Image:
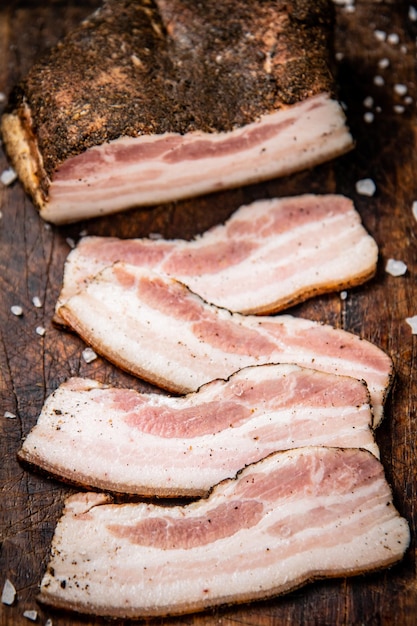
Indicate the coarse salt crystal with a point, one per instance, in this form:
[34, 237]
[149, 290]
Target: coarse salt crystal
[2, 97]
[379, 81]
[9, 415]
[381, 35]
[369, 117]
[383, 63]
[31, 614]
[368, 102]
[412, 13]
[154, 236]
[414, 209]
[16, 310]
[40, 330]
[89, 355]
[398, 108]
[412, 321]
[36, 301]
[343, 295]
[8, 176]
[48, 622]
[70, 242]
[339, 56]
[400, 89]
[366, 187]
[395, 268]
[393, 38]
[8, 594]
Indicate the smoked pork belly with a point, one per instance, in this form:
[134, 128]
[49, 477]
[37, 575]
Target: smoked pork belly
[155, 445]
[159, 330]
[291, 518]
[268, 255]
[150, 101]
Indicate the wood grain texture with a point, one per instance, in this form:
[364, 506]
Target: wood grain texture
[32, 255]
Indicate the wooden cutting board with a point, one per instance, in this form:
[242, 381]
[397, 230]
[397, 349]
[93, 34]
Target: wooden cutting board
[32, 255]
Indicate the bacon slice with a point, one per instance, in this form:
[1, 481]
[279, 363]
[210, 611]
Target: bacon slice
[267, 256]
[291, 518]
[151, 101]
[157, 329]
[167, 446]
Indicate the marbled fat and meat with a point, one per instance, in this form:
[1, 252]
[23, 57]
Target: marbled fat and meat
[181, 446]
[284, 521]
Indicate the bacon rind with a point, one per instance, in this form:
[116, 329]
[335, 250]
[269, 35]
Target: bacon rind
[267, 256]
[154, 445]
[157, 329]
[289, 519]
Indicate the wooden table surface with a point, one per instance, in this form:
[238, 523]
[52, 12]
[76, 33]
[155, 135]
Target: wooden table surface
[32, 255]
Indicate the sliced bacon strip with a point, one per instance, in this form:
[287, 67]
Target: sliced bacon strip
[267, 256]
[157, 329]
[291, 518]
[155, 445]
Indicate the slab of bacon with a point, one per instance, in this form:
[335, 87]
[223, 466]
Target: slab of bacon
[159, 330]
[291, 518]
[267, 256]
[149, 101]
[154, 445]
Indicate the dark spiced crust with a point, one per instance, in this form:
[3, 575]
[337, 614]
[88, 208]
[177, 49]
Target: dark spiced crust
[155, 66]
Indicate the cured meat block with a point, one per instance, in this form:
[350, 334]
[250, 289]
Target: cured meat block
[157, 329]
[149, 101]
[291, 518]
[155, 445]
[267, 256]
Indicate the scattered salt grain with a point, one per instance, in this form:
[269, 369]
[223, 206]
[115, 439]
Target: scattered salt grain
[8, 594]
[368, 102]
[40, 330]
[89, 355]
[9, 415]
[16, 310]
[3, 95]
[343, 295]
[412, 13]
[31, 614]
[369, 117]
[381, 35]
[412, 321]
[36, 301]
[339, 56]
[393, 38]
[395, 268]
[365, 187]
[8, 176]
[383, 63]
[398, 108]
[48, 622]
[379, 81]
[408, 100]
[70, 242]
[414, 209]
[83, 233]
[154, 236]
[400, 89]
